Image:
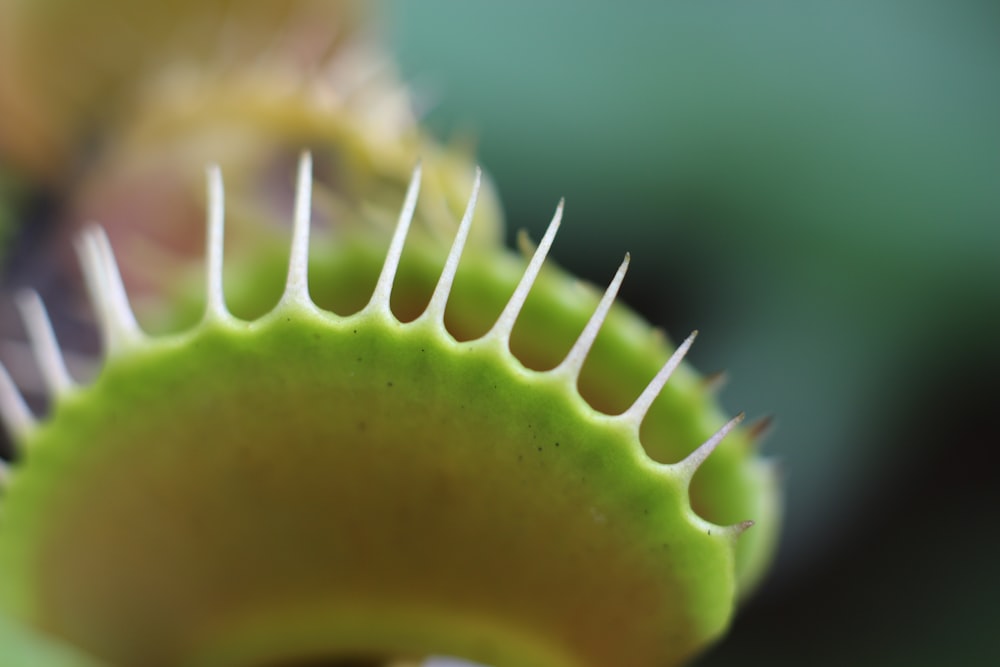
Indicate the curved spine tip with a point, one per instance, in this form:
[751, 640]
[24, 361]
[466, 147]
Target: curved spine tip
[714, 383]
[641, 406]
[505, 322]
[731, 532]
[215, 301]
[14, 412]
[573, 363]
[383, 288]
[439, 300]
[760, 429]
[44, 345]
[297, 285]
[734, 531]
[107, 291]
[689, 466]
[525, 245]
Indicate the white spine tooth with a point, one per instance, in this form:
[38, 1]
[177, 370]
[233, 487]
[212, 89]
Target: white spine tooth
[689, 466]
[737, 529]
[44, 344]
[714, 383]
[118, 323]
[638, 410]
[525, 245]
[297, 285]
[383, 288]
[505, 323]
[760, 429]
[574, 360]
[215, 304]
[439, 300]
[14, 412]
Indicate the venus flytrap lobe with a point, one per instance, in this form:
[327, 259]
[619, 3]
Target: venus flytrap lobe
[311, 485]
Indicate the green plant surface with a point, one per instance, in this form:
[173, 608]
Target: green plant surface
[312, 484]
[22, 646]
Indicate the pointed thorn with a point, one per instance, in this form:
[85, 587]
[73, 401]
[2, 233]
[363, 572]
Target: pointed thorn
[383, 288]
[637, 412]
[215, 303]
[760, 429]
[525, 245]
[576, 357]
[44, 345]
[14, 412]
[439, 300]
[107, 292]
[505, 323]
[714, 383]
[297, 285]
[694, 460]
[734, 531]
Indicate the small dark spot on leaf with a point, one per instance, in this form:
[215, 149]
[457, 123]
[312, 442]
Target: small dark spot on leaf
[388, 384]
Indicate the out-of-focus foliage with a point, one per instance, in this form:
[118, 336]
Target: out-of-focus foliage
[159, 90]
[53, 111]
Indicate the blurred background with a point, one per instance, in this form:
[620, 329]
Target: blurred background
[816, 187]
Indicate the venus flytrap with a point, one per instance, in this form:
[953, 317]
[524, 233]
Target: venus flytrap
[485, 477]
[373, 446]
